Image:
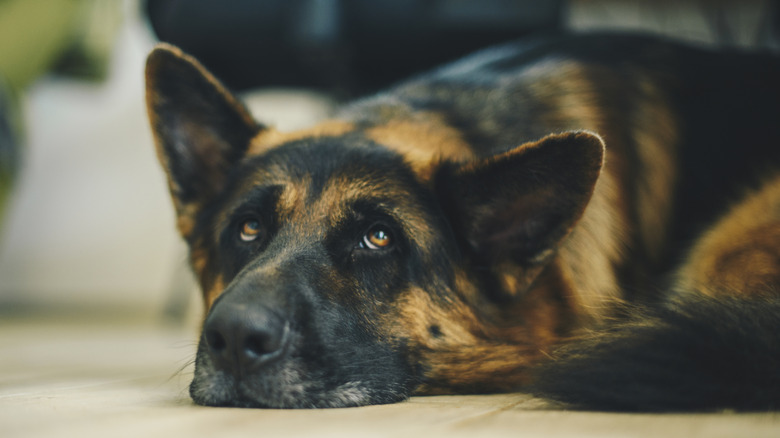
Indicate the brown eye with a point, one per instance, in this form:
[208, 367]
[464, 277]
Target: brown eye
[377, 238]
[250, 230]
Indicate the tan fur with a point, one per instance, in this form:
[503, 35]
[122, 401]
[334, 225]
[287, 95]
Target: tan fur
[211, 288]
[214, 292]
[343, 190]
[292, 199]
[423, 139]
[741, 253]
[270, 138]
[588, 256]
[463, 353]
[656, 134]
[565, 86]
[491, 347]
[596, 245]
[185, 220]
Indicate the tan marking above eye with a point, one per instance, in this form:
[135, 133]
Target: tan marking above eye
[250, 230]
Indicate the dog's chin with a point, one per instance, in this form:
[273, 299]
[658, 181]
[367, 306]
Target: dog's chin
[286, 391]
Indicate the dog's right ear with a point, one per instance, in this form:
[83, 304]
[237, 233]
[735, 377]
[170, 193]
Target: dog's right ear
[514, 208]
[201, 130]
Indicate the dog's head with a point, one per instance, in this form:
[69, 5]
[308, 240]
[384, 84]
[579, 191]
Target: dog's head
[340, 271]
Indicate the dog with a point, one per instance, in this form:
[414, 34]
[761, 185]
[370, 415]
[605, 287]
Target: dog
[593, 219]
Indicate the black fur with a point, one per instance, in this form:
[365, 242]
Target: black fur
[695, 354]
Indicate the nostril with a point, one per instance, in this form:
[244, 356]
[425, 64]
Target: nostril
[215, 341]
[260, 344]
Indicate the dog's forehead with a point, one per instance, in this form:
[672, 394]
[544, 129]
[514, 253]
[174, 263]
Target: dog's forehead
[329, 175]
[322, 161]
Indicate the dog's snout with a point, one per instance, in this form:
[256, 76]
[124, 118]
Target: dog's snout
[240, 337]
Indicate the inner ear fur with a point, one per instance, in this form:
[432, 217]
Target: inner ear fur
[514, 208]
[200, 129]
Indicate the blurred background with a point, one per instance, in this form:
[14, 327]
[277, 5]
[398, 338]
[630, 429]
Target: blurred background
[86, 225]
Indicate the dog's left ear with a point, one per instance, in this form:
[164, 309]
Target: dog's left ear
[201, 130]
[513, 209]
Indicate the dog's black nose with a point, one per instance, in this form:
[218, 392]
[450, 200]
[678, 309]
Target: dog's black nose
[241, 337]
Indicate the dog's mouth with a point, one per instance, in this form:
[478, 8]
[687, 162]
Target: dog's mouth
[286, 389]
[297, 376]
[227, 391]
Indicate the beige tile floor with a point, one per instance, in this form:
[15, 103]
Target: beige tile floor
[117, 376]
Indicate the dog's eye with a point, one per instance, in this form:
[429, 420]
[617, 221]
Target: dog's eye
[250, 230]
[377, 237]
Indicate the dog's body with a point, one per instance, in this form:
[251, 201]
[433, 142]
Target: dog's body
[448, 235]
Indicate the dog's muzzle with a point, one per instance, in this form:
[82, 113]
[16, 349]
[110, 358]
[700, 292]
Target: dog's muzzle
[273, 342]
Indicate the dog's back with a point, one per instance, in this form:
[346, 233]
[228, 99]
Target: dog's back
[687, 130]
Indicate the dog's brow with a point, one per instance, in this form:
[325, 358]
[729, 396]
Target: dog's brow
[259, 199]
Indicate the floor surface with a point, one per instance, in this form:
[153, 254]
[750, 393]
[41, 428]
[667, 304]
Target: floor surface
[121, 377]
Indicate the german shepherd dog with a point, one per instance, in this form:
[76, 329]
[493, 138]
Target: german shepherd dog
[594, 219]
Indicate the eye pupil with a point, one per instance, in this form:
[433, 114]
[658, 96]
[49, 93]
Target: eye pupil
[377, 238]
[250, 230]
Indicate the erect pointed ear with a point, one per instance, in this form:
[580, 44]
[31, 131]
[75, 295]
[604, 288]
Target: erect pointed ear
[200, 129]
[513, 209]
